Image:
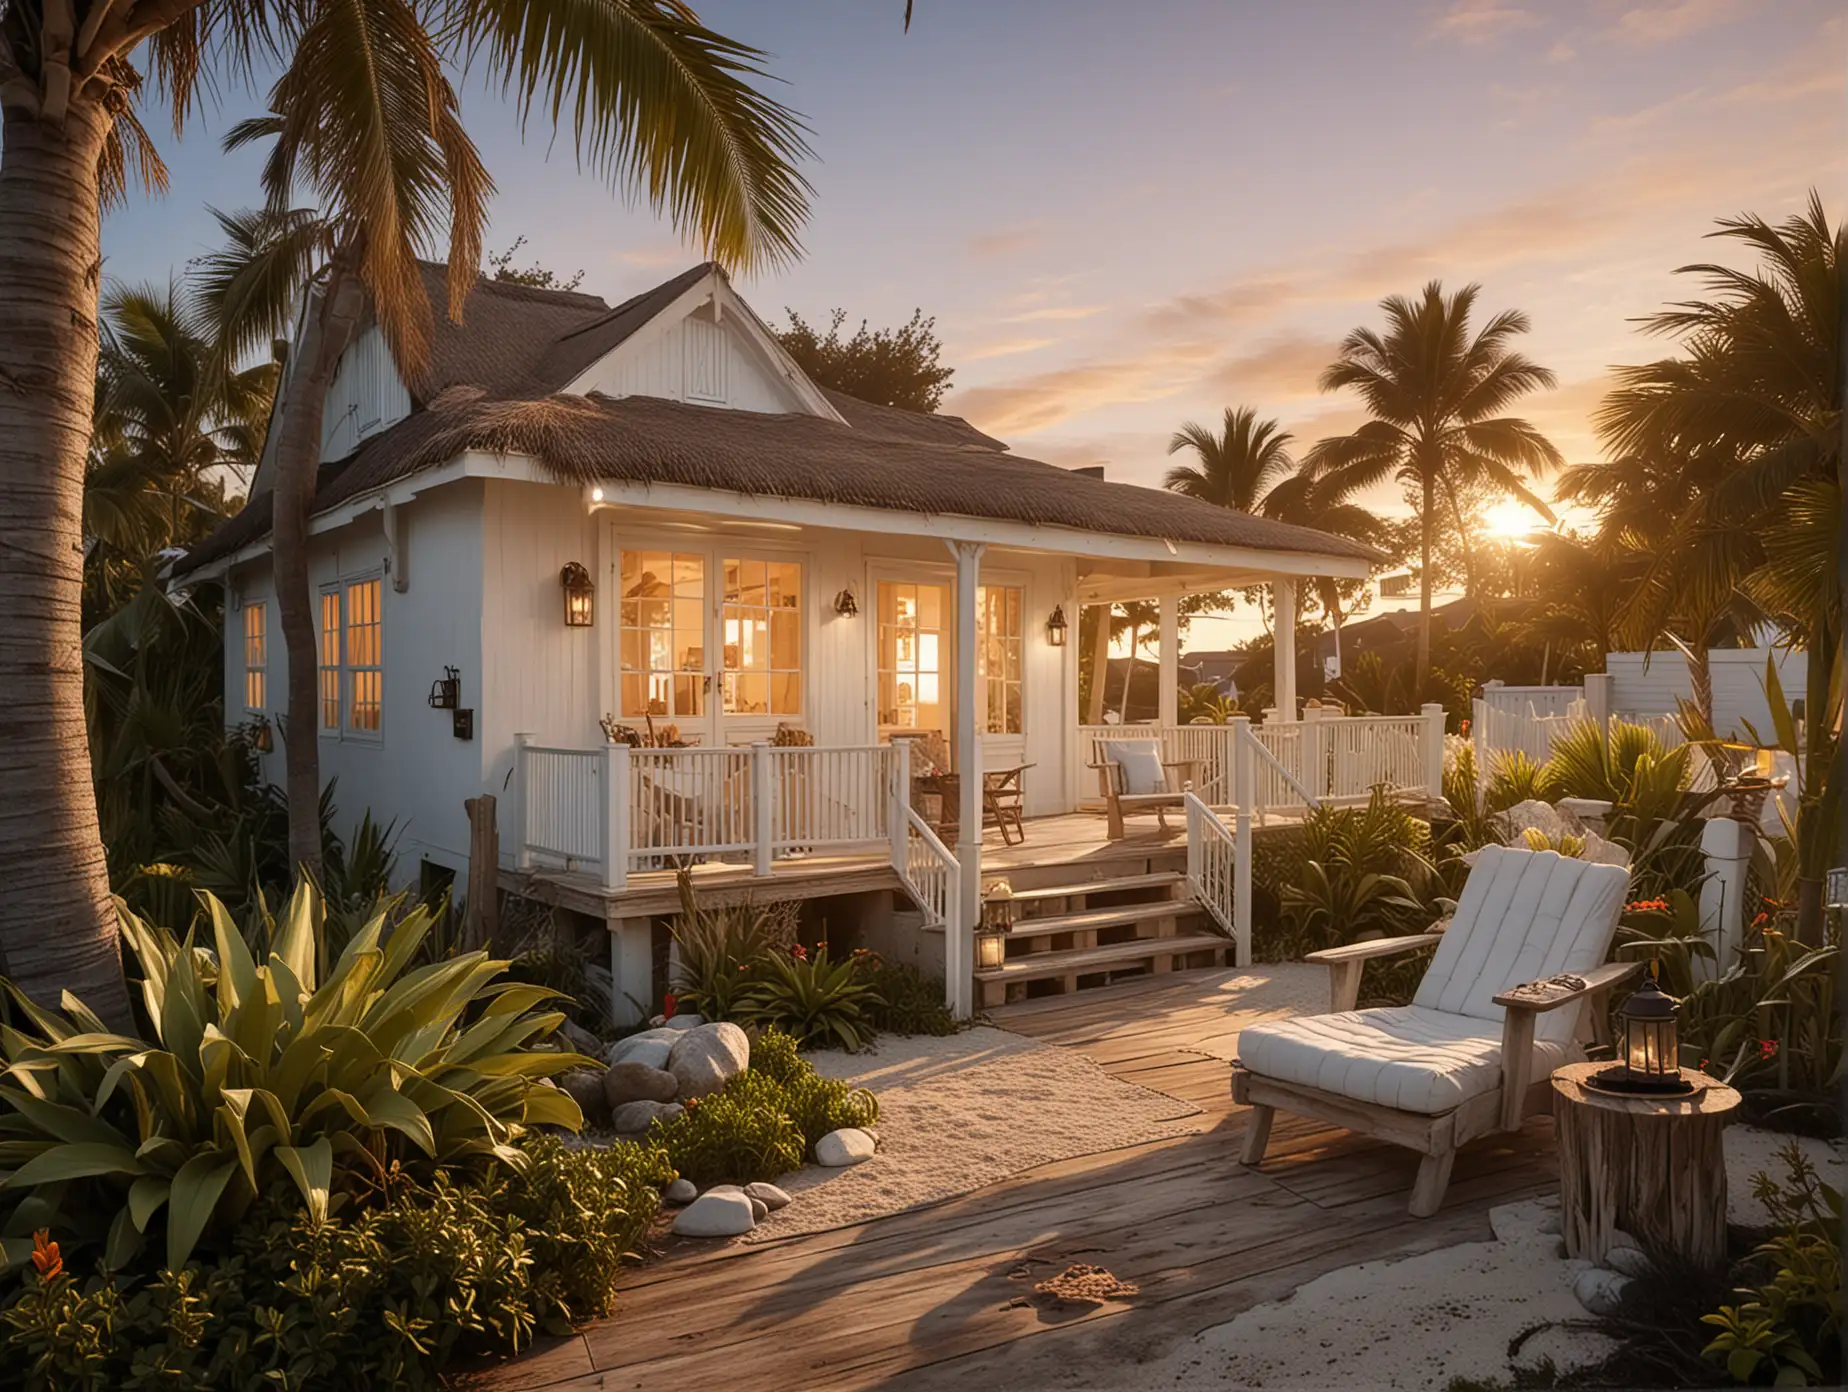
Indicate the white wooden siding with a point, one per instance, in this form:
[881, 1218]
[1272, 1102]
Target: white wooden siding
[1650, 683]
[367, 396]
[694, 359]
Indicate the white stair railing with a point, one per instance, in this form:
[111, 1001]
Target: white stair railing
[1212, 869]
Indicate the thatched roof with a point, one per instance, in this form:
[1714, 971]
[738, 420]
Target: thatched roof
[495, 388]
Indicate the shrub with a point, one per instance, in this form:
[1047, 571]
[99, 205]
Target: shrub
[383, 1298]
[908, 1002]
[1787, 1329]
[324, 1076]
[720, 948]
[1514, 777]
[816, 1104]
[738, 1135]
[1365, 873]
[815, 1000]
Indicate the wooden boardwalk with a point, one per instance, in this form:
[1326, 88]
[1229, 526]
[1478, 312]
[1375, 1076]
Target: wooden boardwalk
[942, 1297]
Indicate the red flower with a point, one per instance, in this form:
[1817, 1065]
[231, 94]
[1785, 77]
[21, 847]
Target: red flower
[668, 1006]
[798, 951]
[1767, 1049]
[45, 1255]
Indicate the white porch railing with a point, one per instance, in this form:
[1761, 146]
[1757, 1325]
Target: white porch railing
[930, 872]
[1214, 851]
[1209, 746]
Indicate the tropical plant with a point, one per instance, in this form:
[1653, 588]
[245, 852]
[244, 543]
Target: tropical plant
[308, 1069]
[738, 1135]
[719, 949]
[816, 1104]
[1515, 776]
[909, 1002]
[1365, 873]
[1236, 467]
[815, 1000]
[655, 102]
[1757, 393]
[1788, 1324]
[1435, 392]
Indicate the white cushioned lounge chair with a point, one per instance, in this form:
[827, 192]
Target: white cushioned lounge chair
[1474, 1050]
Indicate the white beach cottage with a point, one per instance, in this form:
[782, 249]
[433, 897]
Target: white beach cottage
[648, 513]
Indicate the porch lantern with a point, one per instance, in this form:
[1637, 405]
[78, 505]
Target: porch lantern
[845, 604]
[1055, 627]
[580, 595]
[1649, 1058]
[998, 913]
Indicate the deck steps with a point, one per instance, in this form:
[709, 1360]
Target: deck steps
[1064, 940]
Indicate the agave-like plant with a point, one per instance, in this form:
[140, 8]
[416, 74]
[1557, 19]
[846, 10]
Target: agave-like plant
[292, 1070]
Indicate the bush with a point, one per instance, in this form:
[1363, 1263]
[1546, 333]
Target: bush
[1365, 873]
[908, 1002]
[816, 1104]
[720, 948]
[812, 999]
[324, 1076]
[383, 1298]
[1788, 1327]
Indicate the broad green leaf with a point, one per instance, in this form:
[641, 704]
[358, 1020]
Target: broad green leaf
[296, 932]
[145, 1196]
[124, 1243]
[391, 1108]
[312, 1167]
[191, 1202]
[1781, 719]
[237, 970]
[553, 1107]
[65, 1123]
[77, 1161]
[101, 1043]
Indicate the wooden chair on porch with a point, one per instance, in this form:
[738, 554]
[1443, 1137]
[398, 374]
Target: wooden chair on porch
[1001, 803]
[1518, 980]
[1135, 778]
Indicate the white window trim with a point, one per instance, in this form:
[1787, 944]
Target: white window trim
[262, 607]
[751, 551]
[343, 731]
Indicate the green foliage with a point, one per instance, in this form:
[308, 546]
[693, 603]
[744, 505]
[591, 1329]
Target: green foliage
[1473, 826]
[383, 1297]
[1787, 1327]
[1365, 873]
[889, 367]
[815, 1000]
[302, 1070]
[719, 948]
[737, 1135]
[1515, 778]
[908, 1002]
[816, 1104]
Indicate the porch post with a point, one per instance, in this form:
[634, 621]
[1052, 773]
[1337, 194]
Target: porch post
[615, 816]
[522, 858]
[1244, 794]
[959, 941]
[1283, 674]
[1167, 711]
[1433, 743]
[898, 806]
[631, 970]
[763, 807]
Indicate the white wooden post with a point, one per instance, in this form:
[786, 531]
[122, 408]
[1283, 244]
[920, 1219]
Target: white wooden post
[1244, 793]
[1728, 847]
[1433, 748]
[959, 941]
[615, 774]
[899, 804]
[631, 971]
[522, 857]
[1283, 621]
[1168, 698]
[1316, 738]
[1598, 699]
[763, 807]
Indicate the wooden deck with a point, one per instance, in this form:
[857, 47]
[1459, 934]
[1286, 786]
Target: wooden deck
[942, 1297]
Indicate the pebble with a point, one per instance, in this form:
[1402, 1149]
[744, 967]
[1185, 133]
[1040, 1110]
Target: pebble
[847, 1146]
[1600, 1291]
[716, 1215]
[680, 1192]
[768, 1194]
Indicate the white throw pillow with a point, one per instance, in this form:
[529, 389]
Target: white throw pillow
[1140, 761]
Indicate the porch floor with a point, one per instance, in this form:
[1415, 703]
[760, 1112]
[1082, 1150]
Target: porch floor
[929, 1299]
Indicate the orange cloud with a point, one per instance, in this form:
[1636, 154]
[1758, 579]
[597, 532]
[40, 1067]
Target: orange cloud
[1664, 23]
[1482, 21]
[1007, 241]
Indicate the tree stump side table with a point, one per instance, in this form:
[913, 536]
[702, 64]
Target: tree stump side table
[1651, 1166]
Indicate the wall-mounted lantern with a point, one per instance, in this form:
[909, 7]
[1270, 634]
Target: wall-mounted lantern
[580, 595]
[845, 604]
[1055, 626]
[262, 737]
[446, 690]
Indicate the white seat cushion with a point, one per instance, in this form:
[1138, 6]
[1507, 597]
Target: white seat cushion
[1523, 915]
[1403, 1056]
[1140, 761]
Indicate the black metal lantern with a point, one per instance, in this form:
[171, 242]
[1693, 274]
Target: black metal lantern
[1649, 1047]
[1055, 627]
[580, 595]
[261, 739]
[446, 690]
[845, 604]
[998, 914]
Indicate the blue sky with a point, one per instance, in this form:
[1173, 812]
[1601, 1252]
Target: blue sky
[1125, 217]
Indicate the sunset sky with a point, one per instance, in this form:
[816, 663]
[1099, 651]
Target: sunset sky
[1125, 217]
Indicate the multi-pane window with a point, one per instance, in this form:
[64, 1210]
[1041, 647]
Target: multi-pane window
[352, 658]
[913, 694]
[663, 627]
[330, 660]
[365, 664]
[762, 620]
[997, 621]
[256, 656]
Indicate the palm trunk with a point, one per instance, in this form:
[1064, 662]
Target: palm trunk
[327, 329]
[1100, 664]
[57, 925]
[1700, 678]
[1816, 836]
[1427, 519]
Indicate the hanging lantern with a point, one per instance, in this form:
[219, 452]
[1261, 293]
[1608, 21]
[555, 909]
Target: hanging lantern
[1055, 627]
[998, 912]
[1649, 1047]
[580, 595]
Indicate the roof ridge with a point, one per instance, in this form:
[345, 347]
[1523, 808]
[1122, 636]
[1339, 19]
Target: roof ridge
[514, 290]
[689, 275]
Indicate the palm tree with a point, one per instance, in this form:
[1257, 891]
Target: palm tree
[1237, 466]
[657, 102]
[1435, 392]
[1759, 384]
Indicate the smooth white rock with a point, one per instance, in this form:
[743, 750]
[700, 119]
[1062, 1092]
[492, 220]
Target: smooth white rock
[771, 1196]
[649, 1047]
[724, 1189]
[686, 1021]
[635, 1081]
[681, 1191]
[847, 1146]
[707, 1057]
[716, 1215]
[1630, 1261]
[759, 1209]
[633, 1118]
[1600, 1291]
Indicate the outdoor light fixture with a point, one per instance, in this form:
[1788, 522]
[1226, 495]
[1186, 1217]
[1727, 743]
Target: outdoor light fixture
[261, 739]
[446, 690]
[1055, 626]
[845, 604]
[580, 595]
[1649, 1057]
[998, 913]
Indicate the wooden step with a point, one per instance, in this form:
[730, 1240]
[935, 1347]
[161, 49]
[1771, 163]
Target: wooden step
[1115, 916]
[1158, 953]
[1161, 879]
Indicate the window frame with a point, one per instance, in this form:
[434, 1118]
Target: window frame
[986, 680]
[257, 643]
[673, 599]
[722, 555]
[342, 668]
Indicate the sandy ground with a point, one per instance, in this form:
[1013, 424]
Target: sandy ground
[1420, 1322]
[962, 1112]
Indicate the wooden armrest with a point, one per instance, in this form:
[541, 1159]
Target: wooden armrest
[1596, 980]
[1374, 947]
